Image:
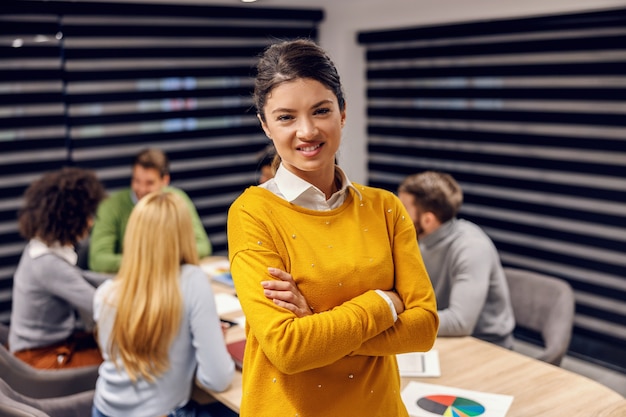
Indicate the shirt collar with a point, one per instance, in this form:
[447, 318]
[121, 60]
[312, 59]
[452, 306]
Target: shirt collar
[297, 191]
[289, 184]
[37, 248]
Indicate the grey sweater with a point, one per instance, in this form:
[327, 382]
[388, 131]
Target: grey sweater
[470, 285]
[48, 289]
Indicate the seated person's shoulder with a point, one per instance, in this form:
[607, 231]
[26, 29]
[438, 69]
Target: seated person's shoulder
[181, 193]
[470, 237]
[175, 190]
[193, 278]
[471, 231]
[120, 198]
[192, 270]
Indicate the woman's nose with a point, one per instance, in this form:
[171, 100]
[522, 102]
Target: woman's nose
[306, 129]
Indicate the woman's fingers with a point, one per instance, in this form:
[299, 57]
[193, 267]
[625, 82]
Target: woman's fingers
[284, 292]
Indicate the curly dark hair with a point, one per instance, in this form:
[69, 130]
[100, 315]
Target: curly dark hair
[57, 207]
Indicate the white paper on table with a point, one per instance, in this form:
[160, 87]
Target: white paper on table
[226, 303]
[217, 266]
[430, 400]
[424, 364]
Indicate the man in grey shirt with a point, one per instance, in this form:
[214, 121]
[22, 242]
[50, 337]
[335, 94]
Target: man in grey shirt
[461, 260]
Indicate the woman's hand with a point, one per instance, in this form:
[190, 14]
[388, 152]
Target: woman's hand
[395, 299]
[285, 293]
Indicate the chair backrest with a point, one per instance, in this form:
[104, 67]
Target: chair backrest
[546, 305]
[82, 252]
[4, 334]
[38, 383]
[14, 404]
[11, 404]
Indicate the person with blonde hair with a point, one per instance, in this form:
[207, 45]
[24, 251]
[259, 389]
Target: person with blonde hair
[157, 323]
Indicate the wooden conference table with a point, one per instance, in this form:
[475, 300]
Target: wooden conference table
[538, 389]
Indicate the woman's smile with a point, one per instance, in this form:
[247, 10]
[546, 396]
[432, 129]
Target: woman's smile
[303, 119]
[310, 150]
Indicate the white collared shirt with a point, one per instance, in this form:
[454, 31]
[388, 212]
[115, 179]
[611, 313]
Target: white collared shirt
[37, 248]
[295, 190]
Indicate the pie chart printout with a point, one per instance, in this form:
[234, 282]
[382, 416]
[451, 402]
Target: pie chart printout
[450, 406]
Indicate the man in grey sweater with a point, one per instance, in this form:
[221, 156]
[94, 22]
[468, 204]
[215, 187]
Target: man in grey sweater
[461, 260]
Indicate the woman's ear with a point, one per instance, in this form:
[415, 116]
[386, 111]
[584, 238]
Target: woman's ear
[264, 126]
[343, 116]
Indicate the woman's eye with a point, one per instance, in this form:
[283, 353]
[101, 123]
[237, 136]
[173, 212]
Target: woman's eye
[322, 110]
[284, 117]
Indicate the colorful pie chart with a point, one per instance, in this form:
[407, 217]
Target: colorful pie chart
[450, 406]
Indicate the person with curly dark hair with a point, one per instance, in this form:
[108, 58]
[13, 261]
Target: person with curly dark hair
[48, 288]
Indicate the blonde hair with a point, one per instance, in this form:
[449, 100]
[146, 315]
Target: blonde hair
[159, 239]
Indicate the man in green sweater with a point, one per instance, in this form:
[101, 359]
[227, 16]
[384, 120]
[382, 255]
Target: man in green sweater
[150, 173]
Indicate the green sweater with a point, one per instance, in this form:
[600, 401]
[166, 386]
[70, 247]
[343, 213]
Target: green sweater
[339, 361]
[107, 236]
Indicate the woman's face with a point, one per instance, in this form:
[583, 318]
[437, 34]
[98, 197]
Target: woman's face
[304, 122]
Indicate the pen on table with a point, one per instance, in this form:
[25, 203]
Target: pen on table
[228, 322]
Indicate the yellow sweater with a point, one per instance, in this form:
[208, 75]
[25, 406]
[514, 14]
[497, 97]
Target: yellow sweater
[340, 361]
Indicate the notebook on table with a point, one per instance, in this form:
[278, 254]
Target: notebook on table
[218, 270]
[236, 350]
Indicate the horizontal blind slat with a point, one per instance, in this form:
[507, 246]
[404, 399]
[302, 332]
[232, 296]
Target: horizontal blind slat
[528, 115]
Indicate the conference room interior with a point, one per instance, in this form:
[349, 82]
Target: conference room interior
[523, 102]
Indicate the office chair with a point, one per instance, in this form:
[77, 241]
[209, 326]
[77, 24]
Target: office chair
[39, 383]
[13, 404]
[4, 334]
[82, 251]
[546, 305]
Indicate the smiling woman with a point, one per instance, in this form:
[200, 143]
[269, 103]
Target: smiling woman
[321, 264]
[304, 122]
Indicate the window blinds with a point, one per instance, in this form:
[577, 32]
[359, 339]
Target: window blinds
[529, 115]
[91, 84]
